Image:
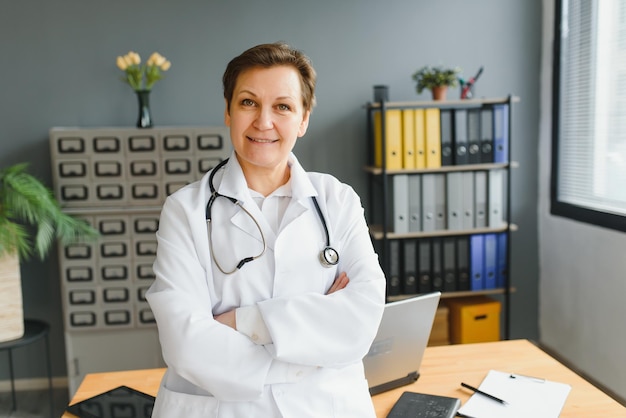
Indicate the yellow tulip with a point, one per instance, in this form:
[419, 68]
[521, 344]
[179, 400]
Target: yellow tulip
[166, 65]
[128, 60]
[121, 63]
[134, 57]
[156, 59]
[140, 76]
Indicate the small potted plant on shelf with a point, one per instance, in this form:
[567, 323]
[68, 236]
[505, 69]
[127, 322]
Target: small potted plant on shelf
[30, 221]
[436, 79]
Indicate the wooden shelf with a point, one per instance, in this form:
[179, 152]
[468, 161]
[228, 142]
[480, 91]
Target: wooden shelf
[444, 169]
[459, 294]
[468, 103]
[376, 231]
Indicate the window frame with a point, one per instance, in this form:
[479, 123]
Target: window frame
[558, 207]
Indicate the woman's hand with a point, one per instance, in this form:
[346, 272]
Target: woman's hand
[227, 318]
[340, 282]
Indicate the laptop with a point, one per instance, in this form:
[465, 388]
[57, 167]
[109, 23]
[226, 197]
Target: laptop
[396, 354]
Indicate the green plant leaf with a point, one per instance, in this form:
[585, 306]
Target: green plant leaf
[25, 201]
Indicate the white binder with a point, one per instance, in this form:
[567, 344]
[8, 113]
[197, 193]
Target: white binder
[496, 203]
[467, 188]
[480, 199]
[455, 201]
[415, 203]
[400, 203]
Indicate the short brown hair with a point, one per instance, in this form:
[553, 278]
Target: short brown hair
[270, 55]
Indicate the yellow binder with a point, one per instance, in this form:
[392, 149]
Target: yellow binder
[420, 139]
[408, 139]
[433, 137]
[393, 136]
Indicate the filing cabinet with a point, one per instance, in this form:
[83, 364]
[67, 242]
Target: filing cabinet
[117, 179]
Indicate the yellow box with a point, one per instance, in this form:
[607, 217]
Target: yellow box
[474, 319]
[440, 333]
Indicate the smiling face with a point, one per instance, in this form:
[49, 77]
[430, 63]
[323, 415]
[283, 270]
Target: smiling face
[266, 117]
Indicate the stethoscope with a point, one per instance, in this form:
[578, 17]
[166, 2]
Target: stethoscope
[328, 256]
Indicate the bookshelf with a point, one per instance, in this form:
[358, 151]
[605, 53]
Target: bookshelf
[439, 176]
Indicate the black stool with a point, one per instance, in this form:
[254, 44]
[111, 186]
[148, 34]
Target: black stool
[33, 331]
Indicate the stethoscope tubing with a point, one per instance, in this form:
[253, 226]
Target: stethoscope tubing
[328, 256]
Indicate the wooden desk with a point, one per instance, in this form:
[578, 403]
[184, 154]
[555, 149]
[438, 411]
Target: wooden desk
[443, 369]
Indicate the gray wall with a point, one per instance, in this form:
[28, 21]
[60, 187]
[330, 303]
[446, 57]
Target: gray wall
[59, 70]
[582, 270]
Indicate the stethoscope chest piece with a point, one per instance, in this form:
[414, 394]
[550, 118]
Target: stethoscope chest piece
[329, 257]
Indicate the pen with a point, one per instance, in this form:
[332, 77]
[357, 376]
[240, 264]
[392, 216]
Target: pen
[536, 379]
[465, 385]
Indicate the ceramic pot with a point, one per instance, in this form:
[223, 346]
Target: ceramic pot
[11, 305]
[439, 92]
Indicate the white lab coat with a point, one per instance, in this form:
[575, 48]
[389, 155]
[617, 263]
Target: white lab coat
[313, 366]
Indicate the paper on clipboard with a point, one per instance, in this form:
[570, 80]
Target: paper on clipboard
[525, 397]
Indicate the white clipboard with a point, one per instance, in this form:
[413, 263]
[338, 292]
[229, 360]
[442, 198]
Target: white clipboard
[525, 396]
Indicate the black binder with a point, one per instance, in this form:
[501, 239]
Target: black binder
[462, 263]
[473, 136]
[449, 264]
[447, 148]
[461, 141]
[486, 134]
[425, 281]
[437, 265]
[394, 283]
[409, 273]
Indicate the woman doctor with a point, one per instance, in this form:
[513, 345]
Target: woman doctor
[268, 292]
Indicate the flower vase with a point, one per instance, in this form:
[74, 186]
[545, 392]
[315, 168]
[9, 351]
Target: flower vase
[145, 118]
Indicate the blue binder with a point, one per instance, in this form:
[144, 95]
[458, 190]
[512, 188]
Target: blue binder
[501, 133]
[502, 261]
[491, 256]
[477, 262]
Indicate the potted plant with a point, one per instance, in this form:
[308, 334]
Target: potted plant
[437, 79]
[30, 221]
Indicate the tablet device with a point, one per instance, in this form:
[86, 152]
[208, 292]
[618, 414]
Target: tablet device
[121, 402]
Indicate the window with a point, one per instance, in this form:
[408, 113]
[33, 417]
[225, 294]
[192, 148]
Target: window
[589, 112]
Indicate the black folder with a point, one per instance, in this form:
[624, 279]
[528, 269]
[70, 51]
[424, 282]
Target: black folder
[473, 136]
[394, 283]
[425, 281]
[437, 265]
[409, 273]
[461, 141]
[486, 135]
[463, 263]
[447, 149]
[449, 264]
